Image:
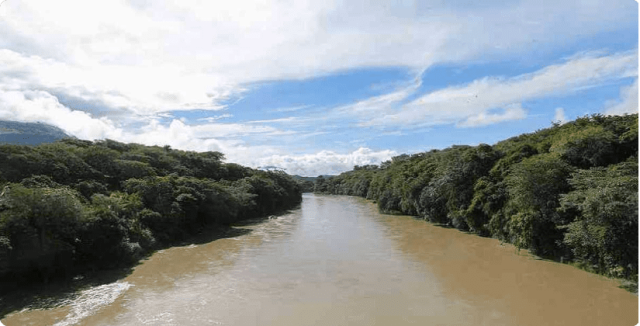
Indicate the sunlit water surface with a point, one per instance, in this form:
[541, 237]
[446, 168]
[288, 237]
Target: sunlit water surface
[337, 261]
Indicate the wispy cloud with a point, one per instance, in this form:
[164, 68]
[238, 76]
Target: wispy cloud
[381, 104]
[216, 118]
[313, 134]
[280, 120]
[469, 105]
[292, 108]
[511, 112]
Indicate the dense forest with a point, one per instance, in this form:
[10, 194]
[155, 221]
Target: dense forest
[307, 184]
[76, 205]
[569, 192]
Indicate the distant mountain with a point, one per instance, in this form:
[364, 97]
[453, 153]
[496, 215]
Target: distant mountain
[29, 133]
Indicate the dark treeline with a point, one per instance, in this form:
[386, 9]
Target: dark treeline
[77, 205]
[306, 183]
[568, 191]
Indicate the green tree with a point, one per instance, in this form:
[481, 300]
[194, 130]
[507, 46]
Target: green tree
[41, 226]
[605, 232]
[534, 188]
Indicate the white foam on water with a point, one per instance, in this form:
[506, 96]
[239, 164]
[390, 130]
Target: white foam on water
[165, 318]
[88, 302]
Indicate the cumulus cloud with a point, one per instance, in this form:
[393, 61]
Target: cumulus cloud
[141, 90]
[42, 106]
[326, 162]
[470, 103]
[628, 102]
[225, 137]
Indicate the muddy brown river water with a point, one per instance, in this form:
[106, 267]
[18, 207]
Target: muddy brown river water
[337, 261]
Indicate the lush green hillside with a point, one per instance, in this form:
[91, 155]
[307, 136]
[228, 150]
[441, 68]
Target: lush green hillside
[74, 204]
[570, 191]
[28, 133]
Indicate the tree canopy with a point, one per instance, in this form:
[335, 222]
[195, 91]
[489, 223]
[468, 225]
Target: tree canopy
[568, 191]
[76, 204]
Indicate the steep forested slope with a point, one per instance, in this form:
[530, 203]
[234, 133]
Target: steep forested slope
[568, 191]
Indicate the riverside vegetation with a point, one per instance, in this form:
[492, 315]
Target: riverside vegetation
[76, 205]
[569, 192]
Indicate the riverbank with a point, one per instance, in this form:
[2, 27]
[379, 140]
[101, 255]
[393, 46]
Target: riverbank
[336, 260]
[566, 193]
[630, 285]
[37, 296]
[74, 206]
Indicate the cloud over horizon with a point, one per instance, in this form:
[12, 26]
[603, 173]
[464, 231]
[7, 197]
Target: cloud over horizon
[326, 162]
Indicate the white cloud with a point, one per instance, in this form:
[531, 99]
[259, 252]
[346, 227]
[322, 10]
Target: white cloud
[143, 90]
[325, 162]
[158, 56]
[280, 120]
[216, 118]
[628, 102]
[511, 112]
[226, 138]
[560, 117]
[381, 103]
[470, 103]
[42, 106]
[291, 108]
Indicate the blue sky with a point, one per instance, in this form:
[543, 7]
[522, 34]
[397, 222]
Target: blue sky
[315, 88]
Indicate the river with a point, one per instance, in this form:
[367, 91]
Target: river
[337, 261]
